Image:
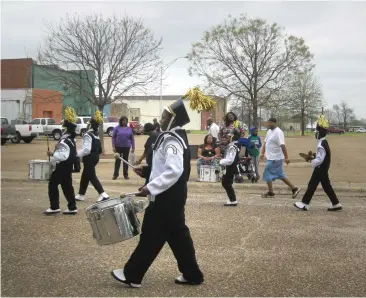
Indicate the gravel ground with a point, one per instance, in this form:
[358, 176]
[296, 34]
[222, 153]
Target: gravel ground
[260, 248]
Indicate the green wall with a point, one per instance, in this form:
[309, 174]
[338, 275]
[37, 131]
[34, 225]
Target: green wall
[67, 83]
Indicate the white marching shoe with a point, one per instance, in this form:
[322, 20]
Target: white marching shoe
[120, 276]
[70, 212]
[80, 197]
[181, 280]
[335, 207]
[231, 203]
[302, 206]
[52, 211]
[102, 197]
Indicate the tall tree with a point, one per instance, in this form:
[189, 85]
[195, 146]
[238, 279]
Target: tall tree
[113, 56]
[337, 112]
[248, 58]
[329, 114]
[347, 114]
[305, 97]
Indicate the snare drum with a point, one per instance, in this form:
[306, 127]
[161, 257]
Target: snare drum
[41, 169]
[114, 220]
[209, 174]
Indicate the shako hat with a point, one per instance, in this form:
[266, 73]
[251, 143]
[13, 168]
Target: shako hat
[179, 112]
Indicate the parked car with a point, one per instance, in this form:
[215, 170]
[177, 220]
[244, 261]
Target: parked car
[361, 130]
[82, 125]
[49, 127]
[7, 131]
[25, 132]
[137, 128]
[109, 124]
[335, 130]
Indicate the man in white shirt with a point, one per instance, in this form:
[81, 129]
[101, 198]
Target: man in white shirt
[213, 129]
[274, 149]
[164, 219]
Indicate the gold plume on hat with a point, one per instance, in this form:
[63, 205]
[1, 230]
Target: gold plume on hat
[198, 100]
[98, 116]
[323, 122]
[70, 114]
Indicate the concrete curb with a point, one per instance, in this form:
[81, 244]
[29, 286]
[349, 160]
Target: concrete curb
[207, 187]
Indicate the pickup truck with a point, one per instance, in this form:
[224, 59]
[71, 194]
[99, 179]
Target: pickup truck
[82, 125]
[7, 131]
[25, 132]
[49, 127]
[333, 129]
[109, 124]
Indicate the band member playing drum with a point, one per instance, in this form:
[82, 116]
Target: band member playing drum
[65, 157]
[164, 219]
[230, 162]
[90, 152]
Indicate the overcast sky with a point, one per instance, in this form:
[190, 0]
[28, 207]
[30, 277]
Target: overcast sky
[335, 32]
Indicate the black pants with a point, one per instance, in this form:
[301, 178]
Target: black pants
[320, 176]
[227, 182]
[163, 224]
[65, 179]
[89, 175]
[124, 152]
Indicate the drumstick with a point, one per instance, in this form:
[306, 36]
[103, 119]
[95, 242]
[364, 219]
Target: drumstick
[117, 156]
[123, 195]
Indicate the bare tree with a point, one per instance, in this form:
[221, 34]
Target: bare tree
[110, 56]
[330, 115]
[305, 97]
[347, 114]
[248, 58]
[337, 112]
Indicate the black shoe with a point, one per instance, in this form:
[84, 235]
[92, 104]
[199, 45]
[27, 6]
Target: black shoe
[126, 177]
[268, 195]
[295, 192]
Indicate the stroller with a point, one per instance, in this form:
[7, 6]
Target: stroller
[246, 168]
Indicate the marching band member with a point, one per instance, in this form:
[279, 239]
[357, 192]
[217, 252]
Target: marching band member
[321, 165]
[164, 219]
[230, 162]
[65, 157]
[90, 152]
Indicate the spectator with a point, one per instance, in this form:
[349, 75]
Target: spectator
[208, 154]
[228, 126]
[156, 125]
[213, 129]
[122, 142]
[149, 129]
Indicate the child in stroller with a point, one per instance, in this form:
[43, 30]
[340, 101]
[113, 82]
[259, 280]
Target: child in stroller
[245, 164]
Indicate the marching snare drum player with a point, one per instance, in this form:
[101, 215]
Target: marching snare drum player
[164, 219]
[89, 154]
[230, 162]
[65, 157]
[321, 165]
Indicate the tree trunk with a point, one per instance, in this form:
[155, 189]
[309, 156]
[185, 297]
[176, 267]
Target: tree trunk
[255, 116]
[302, 122]
[101, 133]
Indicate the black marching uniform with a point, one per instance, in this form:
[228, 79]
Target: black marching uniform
[321, 165]
[164, 219]
[89, 154]
[65, 158]
[230, 162]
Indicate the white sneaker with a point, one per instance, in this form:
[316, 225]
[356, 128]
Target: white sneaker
[229, 203]
[302, 206]
[335, 207]
[181, 280]
[80, 198]
[120, 276]
[52, 211]
[103, 196]
[70, 212]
